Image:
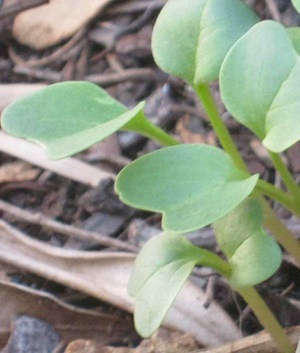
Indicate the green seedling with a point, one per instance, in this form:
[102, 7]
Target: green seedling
[257, 64]
[167, 260]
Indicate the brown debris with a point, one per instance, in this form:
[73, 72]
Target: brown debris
[293, 154]
[260, 343]
[17, 171]
[11, 8]
[70, 322]
[47, 25]
[160, 343]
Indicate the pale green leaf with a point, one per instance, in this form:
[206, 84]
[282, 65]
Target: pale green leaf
[253, 255]
[296, 4]
[192, 185]
[191, 38]
[67, 117]
[263, 93]
[283, 120]
[160, 270]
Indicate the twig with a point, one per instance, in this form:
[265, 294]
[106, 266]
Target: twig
[118, 77]
[71, 168]
[273, 10]
[56, 55]
[135, 6]
[82, 62]
[139, 23]
[45, 74]
[209, 292]
[103, 80]
[70, 231]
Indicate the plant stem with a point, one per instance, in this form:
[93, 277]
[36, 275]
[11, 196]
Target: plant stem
[279, 195]
[157, 134]
[267, 319]
[286, 176]
[220, 128]
[145, 127]
[291, 203]
[214, 261]
[280, 232]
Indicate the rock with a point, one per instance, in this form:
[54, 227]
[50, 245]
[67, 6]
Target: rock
[32, 335]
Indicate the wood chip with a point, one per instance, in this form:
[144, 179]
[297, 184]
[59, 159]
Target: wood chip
[47, 25]
[260, 343]
[17, 171]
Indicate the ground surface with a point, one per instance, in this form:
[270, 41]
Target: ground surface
[112, 49]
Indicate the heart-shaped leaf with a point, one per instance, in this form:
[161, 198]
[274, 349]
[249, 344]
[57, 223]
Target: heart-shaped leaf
[162, 266]
[261, 92]
[68, 117]
[253, 255]
[191, 38]
[192, 185]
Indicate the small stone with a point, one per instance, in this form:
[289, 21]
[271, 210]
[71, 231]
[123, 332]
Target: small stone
[31, 335]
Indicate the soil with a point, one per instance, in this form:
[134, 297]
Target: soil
[115, 50]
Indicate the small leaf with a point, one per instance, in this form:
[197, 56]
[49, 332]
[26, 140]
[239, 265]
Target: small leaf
[260, 92]
[253, 255]
[160, 270]
[294, 34]
[282, 122]
[67, 117]
[192, 185]
[296, 4]
[191, 38]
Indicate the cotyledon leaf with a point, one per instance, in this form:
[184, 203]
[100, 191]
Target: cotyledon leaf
[294, 34]
[296, 4]
[263, 93]
[192, 185]
[160, 270]
[67, 117]
[283, 120]
[253, 255]
[191, 38]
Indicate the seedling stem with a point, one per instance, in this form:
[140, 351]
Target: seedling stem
[146, 128]
[280, 232]
[220, 128]
[286, 176]
[267, 319]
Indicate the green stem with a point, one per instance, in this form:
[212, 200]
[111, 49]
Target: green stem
[279, 195]
[214, 261]
[280, 232]
[272, 222]
[145, 127]
[286, 176]
[220, 128]
[267, 319]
